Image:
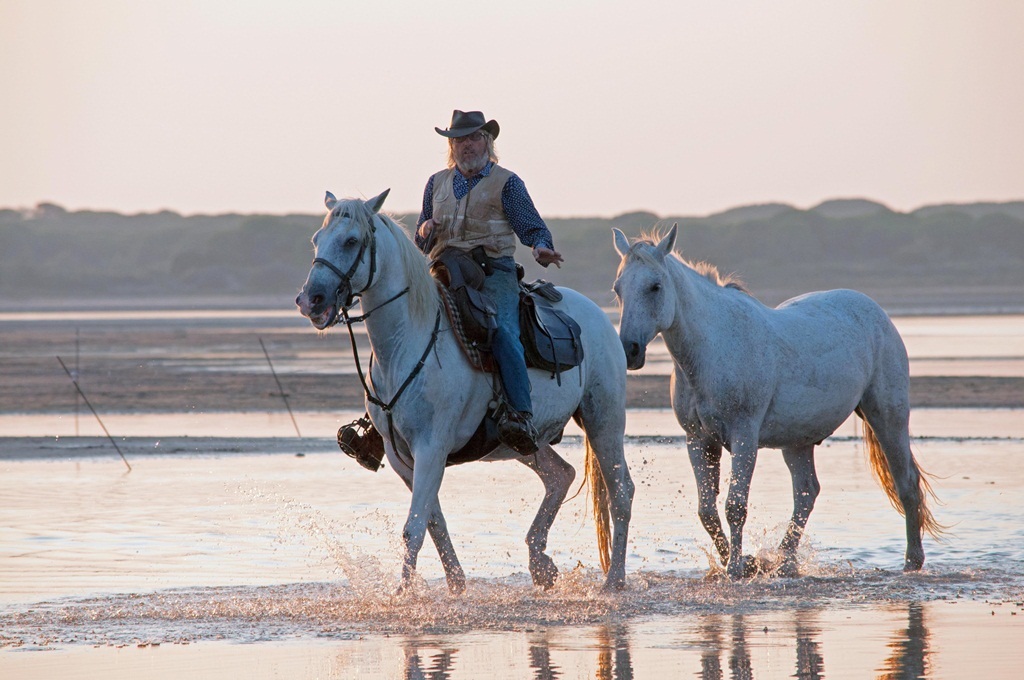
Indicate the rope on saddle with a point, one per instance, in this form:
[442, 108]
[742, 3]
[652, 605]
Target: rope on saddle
[469, 348]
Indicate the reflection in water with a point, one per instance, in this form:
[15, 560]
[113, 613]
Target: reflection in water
[439, 664]
[540, 659]
[613, 660]
[710, 630]
[909, 658]
[740, 667]
[433, 660]
[809, 662]
[713, 631]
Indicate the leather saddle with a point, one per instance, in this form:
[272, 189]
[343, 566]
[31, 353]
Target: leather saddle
[550, 337]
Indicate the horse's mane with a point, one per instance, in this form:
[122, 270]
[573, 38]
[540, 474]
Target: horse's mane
[705, 269]
[423, 295]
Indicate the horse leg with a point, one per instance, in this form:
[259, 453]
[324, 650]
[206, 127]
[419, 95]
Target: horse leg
[557, 476]
[887, 436]
[438, 529]
[800, 461]
[424, 510]
[744, 457]
[706, 460]
[603, 418]
[453, 573]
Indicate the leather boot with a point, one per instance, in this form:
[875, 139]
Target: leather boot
[516, 431]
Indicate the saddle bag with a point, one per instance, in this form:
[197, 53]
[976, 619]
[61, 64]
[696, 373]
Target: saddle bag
[550, 337]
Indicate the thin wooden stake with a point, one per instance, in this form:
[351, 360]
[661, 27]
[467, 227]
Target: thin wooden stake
[284, 397]
[86, 400]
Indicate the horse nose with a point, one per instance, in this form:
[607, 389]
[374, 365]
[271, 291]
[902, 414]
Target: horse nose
[634, 353]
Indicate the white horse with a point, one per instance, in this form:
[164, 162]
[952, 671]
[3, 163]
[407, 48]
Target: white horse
[746, 376]
[435, 399]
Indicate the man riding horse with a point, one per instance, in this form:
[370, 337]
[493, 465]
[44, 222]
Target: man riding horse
[478, 208]
[475, 203]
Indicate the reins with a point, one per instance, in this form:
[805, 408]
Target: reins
[342, 309]
[388, 407]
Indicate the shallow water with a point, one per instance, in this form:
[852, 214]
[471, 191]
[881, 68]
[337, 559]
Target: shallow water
[300, 555]
[259, 562]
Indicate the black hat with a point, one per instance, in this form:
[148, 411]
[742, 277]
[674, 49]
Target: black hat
[467, 122]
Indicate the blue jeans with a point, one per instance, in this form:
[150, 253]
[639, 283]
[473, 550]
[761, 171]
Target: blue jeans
[503, 288]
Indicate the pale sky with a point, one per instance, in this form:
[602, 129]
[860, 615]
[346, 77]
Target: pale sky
[676, 107]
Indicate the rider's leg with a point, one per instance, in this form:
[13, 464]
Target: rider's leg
[517, 429]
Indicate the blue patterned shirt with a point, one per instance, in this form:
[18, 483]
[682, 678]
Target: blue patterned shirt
[522, 216]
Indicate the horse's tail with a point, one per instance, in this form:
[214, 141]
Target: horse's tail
[601, 504]
[880, 467]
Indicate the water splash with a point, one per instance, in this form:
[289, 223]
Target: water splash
[347, 610]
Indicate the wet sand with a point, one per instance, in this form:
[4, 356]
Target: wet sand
[125, 368]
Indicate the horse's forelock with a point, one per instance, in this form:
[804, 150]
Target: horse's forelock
[355, 209]
[422, 289]
[643, 250]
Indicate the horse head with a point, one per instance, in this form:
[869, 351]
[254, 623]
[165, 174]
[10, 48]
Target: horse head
[344, 258]
[645, 293]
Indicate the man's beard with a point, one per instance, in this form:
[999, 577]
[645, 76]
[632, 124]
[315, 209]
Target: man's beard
[471, 166]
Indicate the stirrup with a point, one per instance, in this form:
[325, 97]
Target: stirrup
[517, 431]
[360, 440]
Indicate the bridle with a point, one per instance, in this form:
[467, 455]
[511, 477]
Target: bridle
[345, 278]
[345, 283]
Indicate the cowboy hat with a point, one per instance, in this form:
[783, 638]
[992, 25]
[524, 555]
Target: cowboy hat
[466, 123]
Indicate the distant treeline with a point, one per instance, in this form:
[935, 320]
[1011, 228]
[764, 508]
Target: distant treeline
[941, 256]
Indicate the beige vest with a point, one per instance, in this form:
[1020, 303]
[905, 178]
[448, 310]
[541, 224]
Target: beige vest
[476, 220]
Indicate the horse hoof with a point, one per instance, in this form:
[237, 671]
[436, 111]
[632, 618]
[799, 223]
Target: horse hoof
[544, 572]
[787, 569]
[457, 586]
[614, 586]
[748, 567]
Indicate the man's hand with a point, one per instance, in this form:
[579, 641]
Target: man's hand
[424, 230]
[546, 256]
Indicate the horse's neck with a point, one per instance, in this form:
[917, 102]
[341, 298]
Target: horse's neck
[397, 335]
[698, 320]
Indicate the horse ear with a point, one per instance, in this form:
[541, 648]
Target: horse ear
[668, 243]
[621, 242]
[377, 202]
[330, 201]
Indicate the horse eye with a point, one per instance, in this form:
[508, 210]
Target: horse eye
[655, 287]
[352, 240]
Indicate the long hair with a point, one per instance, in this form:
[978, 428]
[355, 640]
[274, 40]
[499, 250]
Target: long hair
[492, 154]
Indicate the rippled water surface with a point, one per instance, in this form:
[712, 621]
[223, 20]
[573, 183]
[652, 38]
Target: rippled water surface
[301, 555]
[234, 550]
